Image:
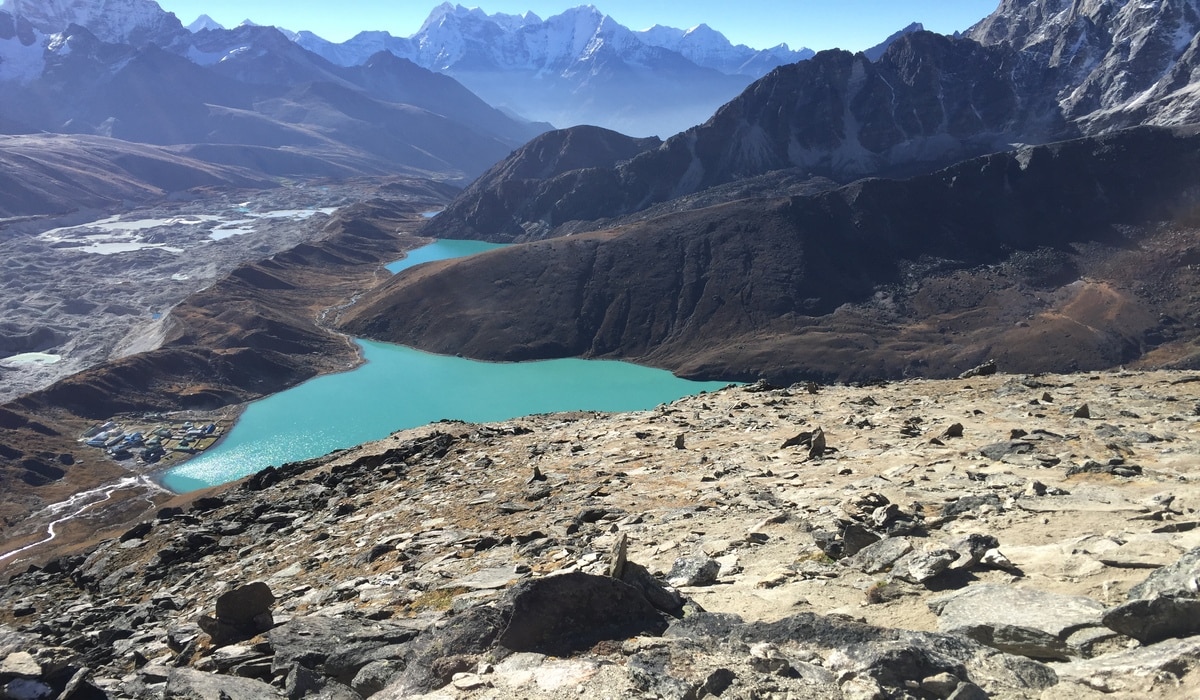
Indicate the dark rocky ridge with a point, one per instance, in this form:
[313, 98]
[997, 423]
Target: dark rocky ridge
[1050, 258]
[250, 335]
[929, 100]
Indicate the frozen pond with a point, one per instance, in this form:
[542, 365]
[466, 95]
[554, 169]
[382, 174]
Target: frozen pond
[31, 358]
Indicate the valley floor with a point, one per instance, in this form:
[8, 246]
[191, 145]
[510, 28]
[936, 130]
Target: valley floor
[92, 286]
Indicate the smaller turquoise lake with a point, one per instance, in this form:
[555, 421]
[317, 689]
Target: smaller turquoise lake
[399, 387]
[441, 250]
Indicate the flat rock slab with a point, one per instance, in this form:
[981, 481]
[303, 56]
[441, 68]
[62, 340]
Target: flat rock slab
[1124, 670]
[311, 641]
[486, 579]
[1147, 552]
[197, 685]
[20, 664]
[1059, 504]
[1017, 620]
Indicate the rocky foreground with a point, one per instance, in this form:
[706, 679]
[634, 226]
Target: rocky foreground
[995, 536]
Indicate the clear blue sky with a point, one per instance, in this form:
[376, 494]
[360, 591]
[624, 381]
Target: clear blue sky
[817, 24]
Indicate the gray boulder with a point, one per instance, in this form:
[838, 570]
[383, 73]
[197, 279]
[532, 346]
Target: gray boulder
[312, 641]
[1155, 619]
[919, 566]
[376, 676]
[560, 615]
[241, 613]
[694, 571]
[879, 556]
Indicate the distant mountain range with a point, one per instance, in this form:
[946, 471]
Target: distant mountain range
[577, 67]
[281, 103]
[249, 98]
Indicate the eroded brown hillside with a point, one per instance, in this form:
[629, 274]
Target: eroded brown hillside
[1077, 255]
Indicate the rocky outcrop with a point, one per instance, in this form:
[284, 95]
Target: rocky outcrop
[1029, 623]
[398, 570]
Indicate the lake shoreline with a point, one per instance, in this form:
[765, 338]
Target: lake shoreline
[277, 440]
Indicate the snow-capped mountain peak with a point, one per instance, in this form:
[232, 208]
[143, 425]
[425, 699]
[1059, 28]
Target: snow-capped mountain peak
[504, 21]
[116, 21]
[709, 48]
[204, 22]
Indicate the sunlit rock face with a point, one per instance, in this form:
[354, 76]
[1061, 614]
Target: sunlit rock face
[1113, 64]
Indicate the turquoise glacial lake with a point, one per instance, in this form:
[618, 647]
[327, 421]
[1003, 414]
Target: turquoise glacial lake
[399, 387]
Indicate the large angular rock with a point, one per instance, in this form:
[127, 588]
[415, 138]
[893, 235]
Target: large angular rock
[564, 614]
[241, 613]
[919, 566]
[1017, 620]
[1181, 579]
[879, 556]
[1155, 619]
[1165, 605]
[694, 571]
